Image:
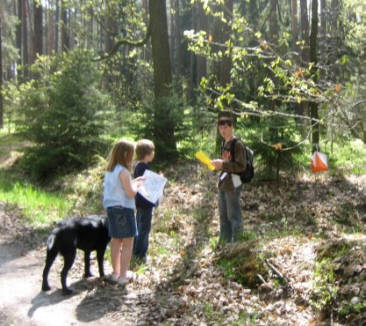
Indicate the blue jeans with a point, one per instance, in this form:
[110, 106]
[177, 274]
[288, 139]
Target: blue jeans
[141, 244]
[231, 224]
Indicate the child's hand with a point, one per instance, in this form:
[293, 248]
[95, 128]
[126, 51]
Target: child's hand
[138, 182]
[217, 163]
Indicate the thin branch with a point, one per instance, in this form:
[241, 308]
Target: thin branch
[126, 42]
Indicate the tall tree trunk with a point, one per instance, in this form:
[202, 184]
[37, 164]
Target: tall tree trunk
[334, 33]
[173, 31]
[51, 33]
[323, 19]
[202, 25]
[25, 37]
[1, 77]
[304, 30]
[57, 24]
[313, 59]
[147, 48]
[303, 107]
[19, 31]
[221, 35]
[38, 30]
[273, 21]
[294, 24]
[178, 41]
[65, 38]
[163, 124]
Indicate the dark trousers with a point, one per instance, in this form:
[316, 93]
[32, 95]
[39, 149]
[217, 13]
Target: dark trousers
[141, 244]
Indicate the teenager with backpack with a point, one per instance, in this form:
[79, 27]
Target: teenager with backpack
[232, 163]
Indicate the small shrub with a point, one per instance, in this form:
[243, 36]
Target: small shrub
[63, 113]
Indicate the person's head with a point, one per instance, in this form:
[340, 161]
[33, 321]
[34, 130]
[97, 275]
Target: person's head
[121, 153]
[145, 150]
[225, 124]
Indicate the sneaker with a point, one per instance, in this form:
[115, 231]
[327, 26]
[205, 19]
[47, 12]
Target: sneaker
[130, 276]
[112, 278]
[123, 280]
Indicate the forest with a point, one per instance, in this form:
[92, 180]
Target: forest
[78, 75]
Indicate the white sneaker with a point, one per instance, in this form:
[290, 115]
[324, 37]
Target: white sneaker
[123, 280]
[112, 278]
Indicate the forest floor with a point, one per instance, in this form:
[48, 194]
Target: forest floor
[302, 261]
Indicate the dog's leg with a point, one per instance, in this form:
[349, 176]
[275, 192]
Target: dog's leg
[50, 258]
[87, 264]
[100, 259]
[69, 258]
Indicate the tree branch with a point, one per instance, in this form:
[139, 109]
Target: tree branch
[126, 42]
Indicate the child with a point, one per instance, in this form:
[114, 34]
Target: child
[145, 151]
[119, 201]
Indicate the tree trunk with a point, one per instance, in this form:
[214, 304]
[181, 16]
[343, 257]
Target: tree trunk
[304, 30]
[38, 30]
[163, 124]
[178, 41]
[202, 25]
[222, 35]
[313, 59]
[323, 19]
[294, 24]
[57, 23]
[334, 44]
[51, 32]
[25, 36]
[19, 31]
[303, 107]
[65, 38]
[1, 77]
[273, 22]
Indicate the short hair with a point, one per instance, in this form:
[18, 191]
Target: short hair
[121, 153]
[144, 147]
[225, 114]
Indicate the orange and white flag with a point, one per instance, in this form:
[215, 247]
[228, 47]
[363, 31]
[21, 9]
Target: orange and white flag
[319, 162]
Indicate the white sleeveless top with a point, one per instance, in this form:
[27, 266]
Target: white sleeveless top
[114, 193]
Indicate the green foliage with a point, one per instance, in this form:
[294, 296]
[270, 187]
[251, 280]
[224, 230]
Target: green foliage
[274, 142]
[63, 113]
[39, 206]
[325, 282]
[347, 155]
[324, 287]
[165, 121]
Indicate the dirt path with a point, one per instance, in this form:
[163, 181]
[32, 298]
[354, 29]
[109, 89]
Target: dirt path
[94, 302]
[22, 302]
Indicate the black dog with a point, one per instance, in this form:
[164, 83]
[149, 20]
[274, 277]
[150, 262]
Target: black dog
[85, 233]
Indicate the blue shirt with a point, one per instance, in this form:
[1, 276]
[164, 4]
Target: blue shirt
[114, 194]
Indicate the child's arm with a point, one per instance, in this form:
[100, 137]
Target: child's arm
[130, 186]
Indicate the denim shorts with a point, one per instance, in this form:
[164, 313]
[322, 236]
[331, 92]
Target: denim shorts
[121, 222]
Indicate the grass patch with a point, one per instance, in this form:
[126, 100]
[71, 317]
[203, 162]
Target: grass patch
[349, 156]
[40, 207]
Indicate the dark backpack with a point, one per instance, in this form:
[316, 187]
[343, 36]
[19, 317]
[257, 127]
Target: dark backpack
[248, 174]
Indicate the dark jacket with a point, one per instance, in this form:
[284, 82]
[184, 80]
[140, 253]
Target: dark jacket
[141, 202]
[232, 167]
